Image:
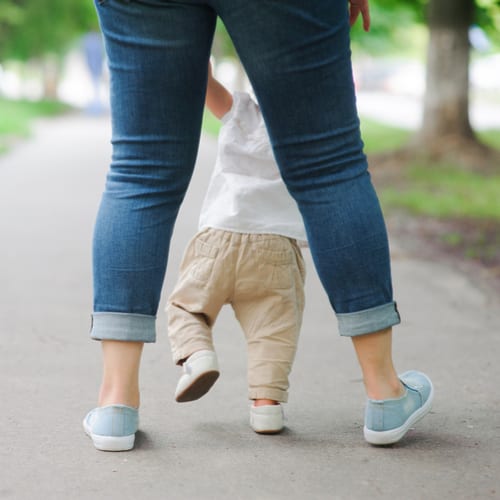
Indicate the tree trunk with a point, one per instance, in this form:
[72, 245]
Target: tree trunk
[446, 102]
[50, 77]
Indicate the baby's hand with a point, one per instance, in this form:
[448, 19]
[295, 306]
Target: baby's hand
[218, 99]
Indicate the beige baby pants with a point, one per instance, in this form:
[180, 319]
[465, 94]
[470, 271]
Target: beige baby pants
[262, 277]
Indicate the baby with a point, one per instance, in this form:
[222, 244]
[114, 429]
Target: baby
[245, 254]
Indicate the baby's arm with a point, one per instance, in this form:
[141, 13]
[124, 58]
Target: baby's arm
[218, 100]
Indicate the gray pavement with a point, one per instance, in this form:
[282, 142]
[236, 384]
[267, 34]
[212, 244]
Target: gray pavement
[50, 370]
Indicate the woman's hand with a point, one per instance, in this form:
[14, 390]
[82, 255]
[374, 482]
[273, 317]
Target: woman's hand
[357, 7]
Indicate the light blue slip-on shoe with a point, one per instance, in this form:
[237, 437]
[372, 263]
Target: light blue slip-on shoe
[388, 420]
[113, 427]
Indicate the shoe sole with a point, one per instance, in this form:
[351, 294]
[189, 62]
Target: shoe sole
[110, 443]
[199, 387]
[394, 435]
[268, 432]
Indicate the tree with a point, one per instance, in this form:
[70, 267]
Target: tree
[446, 126]
[446, 129]
[446, 102]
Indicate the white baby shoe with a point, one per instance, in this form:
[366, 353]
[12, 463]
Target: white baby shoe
[267, 419]
[200, 371]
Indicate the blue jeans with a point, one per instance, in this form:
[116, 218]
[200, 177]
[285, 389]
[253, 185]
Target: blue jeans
[297, 56]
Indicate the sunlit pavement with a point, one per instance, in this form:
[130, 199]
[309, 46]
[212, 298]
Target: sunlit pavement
[50, 369]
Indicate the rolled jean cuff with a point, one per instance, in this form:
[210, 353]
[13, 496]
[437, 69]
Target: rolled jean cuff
[123, 326]
[368, 321]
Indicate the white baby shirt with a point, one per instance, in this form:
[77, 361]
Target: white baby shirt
[246, 193]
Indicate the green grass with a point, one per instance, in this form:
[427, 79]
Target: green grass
[16, 116]
[444, 191]
[490, 137]
[379, 137]
[437, 189]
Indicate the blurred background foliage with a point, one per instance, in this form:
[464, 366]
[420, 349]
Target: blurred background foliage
[31, 28]
[400, 26]
[34, 28]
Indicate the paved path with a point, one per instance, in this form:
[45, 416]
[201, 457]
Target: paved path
[49, 369]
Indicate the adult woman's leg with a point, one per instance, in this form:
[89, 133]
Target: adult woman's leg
[298, 59]
[374, 352]
[120, 378]
[157, 55]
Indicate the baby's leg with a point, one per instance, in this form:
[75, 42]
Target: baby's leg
[269, 306]
[192, 307]
[271, 325]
